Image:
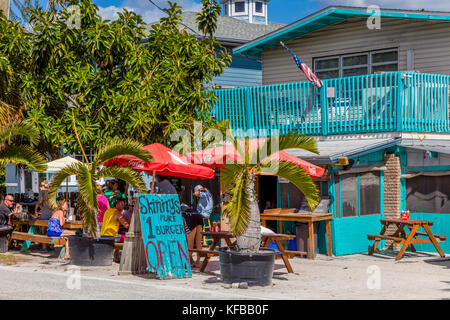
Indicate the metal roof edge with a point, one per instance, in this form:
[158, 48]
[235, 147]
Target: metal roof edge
[342, 10]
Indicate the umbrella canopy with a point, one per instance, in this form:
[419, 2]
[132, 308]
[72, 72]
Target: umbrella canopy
[166, 162]
[57, 165]
[215, 157]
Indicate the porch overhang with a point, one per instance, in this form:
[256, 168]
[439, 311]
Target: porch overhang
[331, 150]
[329, 16]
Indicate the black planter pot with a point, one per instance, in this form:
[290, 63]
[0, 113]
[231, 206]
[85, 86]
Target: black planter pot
[254, 268]
[4, 230]
[86, 251]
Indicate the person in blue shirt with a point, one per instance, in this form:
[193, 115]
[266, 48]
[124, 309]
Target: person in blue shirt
[205, 201]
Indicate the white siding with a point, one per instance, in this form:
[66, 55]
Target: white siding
[429, 40]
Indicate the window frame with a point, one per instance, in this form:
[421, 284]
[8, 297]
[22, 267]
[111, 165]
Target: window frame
[240, 12]
[263, 9]
[369, 64]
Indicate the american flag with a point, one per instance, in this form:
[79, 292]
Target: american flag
[306, 70]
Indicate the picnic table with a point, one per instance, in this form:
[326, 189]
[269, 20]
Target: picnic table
[33, 236]
[288, 215]
[228, 236]
[400, 236]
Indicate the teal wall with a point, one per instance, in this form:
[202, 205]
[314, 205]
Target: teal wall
[441, 226]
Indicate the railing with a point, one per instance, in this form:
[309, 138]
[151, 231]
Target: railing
[394, 101]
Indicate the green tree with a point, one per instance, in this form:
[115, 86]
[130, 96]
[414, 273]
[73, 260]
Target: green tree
[13, 149]
[239, 179]
[88, 174]
[127, 79]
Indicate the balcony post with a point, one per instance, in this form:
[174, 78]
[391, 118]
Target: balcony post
[400, 101]
[324, 110]
[250, 123]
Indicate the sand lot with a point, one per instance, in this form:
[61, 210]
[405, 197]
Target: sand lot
[354, 277]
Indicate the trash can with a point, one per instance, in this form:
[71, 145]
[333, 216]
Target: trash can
[303, 236]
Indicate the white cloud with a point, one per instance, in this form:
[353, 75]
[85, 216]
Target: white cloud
[149, 12]
[430, 5]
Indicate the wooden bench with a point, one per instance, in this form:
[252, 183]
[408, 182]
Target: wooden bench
[205, 252]
[118, 245]
[439, 237]
[57, 241]
[386, 237]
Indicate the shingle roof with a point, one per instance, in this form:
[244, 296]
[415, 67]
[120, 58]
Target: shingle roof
[232, 29]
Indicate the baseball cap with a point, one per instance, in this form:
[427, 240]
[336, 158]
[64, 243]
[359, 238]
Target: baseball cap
[198, 187]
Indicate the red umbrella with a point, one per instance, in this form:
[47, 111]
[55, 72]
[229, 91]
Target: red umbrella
[166, 162]
[215, 157]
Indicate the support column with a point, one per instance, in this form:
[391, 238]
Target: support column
[392, 191]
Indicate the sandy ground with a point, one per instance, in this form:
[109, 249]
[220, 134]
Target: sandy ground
[354, 277]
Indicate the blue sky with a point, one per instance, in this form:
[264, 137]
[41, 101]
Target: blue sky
[282, 11]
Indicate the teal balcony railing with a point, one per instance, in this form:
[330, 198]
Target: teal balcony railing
[394, 101]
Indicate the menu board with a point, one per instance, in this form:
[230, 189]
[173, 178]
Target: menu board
[163, 234]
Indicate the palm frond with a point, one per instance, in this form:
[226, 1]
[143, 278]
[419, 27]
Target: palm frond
[123, 173]
[118, 147]
[21, 154]
[229, 174]
[87, 186]
[298, 177]
[293, 140]
[59, 178]
[88, 216]
[17, 129]
[238, 210]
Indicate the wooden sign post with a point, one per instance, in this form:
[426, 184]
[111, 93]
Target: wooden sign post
[163, 233]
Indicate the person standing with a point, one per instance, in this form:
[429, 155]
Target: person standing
[114, 193]
[205, 201]
[164, 186]
[43, 204]
[103, 205]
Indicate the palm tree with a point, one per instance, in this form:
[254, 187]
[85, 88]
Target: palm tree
[239, 179]
[12, 150]
[88, 174]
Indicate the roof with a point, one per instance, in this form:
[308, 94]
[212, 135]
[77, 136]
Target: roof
[230, 30]
[327, 17]
[57, 165]
[331, 150]
[440, 146]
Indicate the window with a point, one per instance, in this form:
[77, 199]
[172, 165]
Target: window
[356, 64]
[354, 202]
[258, 7]
[225, 10]
[239, 6]
[428, 194]
[349, 195]
[369, 186]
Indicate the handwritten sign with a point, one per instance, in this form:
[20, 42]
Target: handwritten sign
[163, 234]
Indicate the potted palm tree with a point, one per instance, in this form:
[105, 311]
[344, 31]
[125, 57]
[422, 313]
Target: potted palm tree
[90, 248]
[247, 262]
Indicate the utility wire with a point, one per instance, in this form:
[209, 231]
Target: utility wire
[180, 22]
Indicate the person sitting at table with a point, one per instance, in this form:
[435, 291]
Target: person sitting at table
[112, 220]
[55, 223]
[129, 212]
[43, 204]
[114, 193]
[7, 209]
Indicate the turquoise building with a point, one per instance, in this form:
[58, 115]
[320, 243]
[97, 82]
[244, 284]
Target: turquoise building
[381, 119]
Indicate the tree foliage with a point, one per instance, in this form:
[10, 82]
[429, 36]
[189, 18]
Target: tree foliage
[124, 78]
